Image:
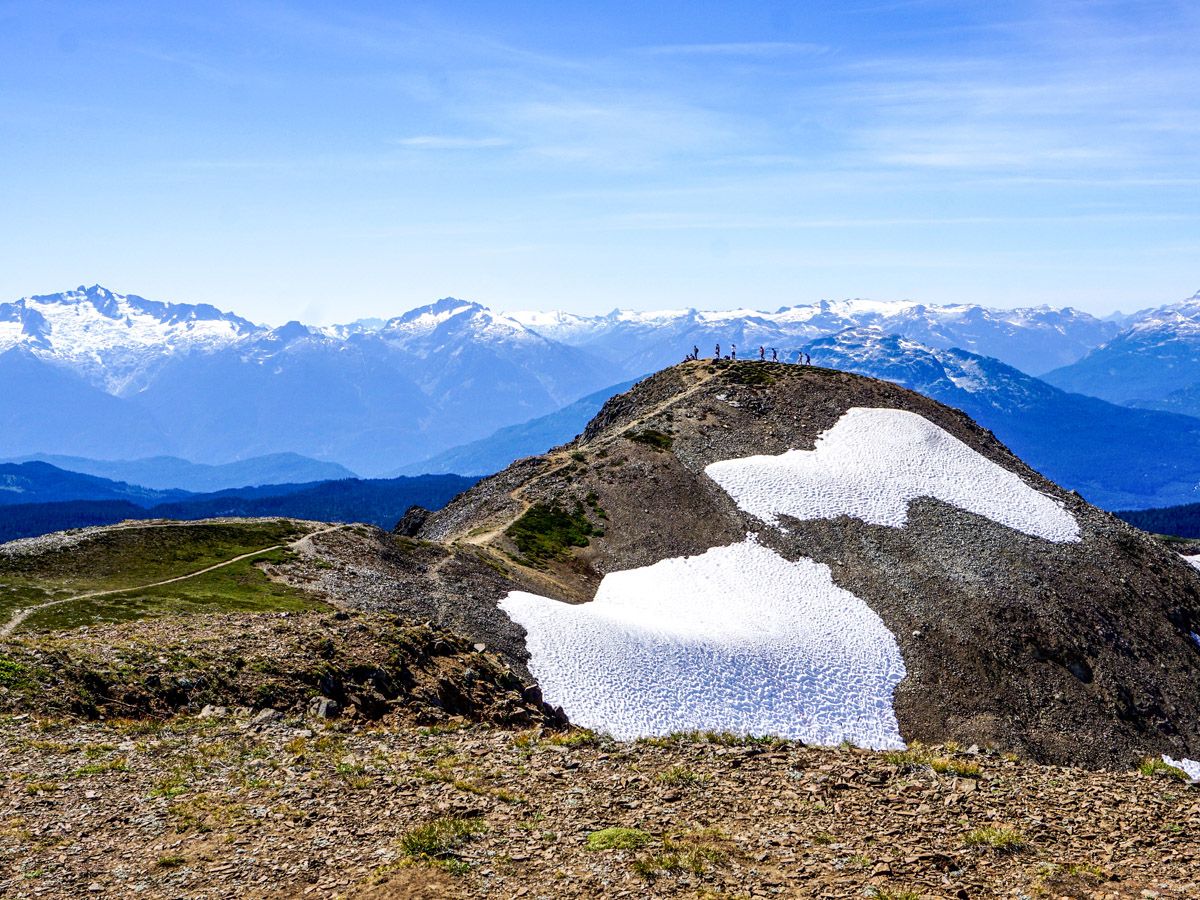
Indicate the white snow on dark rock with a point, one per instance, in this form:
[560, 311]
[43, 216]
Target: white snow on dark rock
[873, 463]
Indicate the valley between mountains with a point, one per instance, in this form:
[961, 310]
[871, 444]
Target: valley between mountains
[759, 630]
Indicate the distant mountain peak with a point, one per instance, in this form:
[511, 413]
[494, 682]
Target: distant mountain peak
[439, 310]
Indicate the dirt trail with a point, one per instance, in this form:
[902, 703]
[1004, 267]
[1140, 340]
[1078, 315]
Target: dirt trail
[484, 538]
[24, 613]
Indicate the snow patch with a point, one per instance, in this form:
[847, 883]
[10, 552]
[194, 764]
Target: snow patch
[873, 463]
[1194, 560]
[1188, 765]
[736, 639]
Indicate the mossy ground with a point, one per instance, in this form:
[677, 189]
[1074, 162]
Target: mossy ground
[240, 587]
[131, 557]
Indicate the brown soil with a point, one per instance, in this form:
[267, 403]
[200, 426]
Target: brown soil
[219, 807]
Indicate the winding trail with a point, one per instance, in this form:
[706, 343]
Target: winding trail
[24, 613]
[560, 459]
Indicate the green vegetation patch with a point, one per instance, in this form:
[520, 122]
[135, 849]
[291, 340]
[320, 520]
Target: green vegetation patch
[617, 839]
[14, 674]
[651, 438]
[680, 775]
[437, 841]
[1153, 766]
[720, 738]
[547, 532]
[238, 588]
[917, 758]
[693, 852]
[886, 893]
[1003, 840]
[576, 737]
[128, 557]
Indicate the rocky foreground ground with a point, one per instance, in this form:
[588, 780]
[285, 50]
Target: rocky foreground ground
[254, 803]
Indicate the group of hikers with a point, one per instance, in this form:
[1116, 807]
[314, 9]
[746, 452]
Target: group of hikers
[802, 358]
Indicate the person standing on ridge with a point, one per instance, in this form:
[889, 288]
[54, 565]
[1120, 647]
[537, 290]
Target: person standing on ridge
[762, 353]
[774, 355]
[695, 352]
[717, 352]
[733, 351]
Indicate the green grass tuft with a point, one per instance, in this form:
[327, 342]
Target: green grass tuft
[680, 775]
[617, 839]
[438, 839]
[1003, 840]
[576, 737]
[885, 893]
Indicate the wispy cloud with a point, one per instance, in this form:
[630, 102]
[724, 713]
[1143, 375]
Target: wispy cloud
[451, 142]
[745, 48]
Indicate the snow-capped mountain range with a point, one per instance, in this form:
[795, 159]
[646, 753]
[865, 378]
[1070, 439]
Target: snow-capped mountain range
[1153, 362]
[91, 372]
[1033, 339]
[114, 338]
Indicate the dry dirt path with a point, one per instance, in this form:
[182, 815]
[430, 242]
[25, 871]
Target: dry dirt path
[561, 458]
[24, 613]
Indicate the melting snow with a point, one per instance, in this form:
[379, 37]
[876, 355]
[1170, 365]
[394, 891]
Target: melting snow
[1188, 765]
[736, 639]
[873, 463]
[1194, 560]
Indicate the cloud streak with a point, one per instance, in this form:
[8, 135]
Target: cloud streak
[451, 142]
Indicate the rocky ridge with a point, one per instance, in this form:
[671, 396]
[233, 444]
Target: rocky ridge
[1068, 652]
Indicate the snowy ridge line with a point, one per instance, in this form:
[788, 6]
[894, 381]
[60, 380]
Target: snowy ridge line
[873, 463]
[736, 639]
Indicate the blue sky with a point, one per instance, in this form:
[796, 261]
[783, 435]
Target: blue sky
[297, 160]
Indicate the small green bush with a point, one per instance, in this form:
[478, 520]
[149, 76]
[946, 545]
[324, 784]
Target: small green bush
[651, 438]
[547, 532]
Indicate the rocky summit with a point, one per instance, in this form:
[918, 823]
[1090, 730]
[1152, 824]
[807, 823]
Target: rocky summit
[791, 550]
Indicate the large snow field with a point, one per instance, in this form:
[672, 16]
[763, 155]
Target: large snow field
[736, 639]
[873, 463]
